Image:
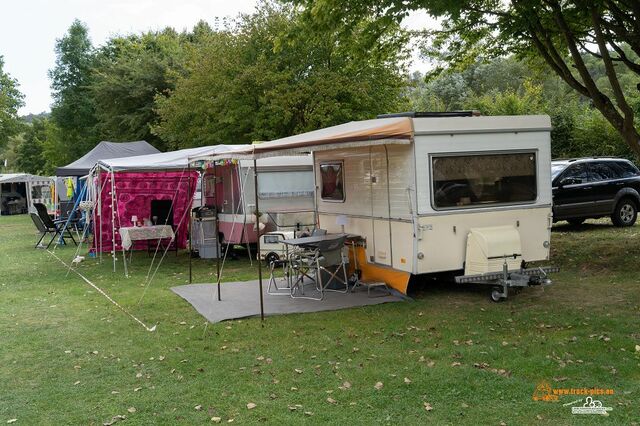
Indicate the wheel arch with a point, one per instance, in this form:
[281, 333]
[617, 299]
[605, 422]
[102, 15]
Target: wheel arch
[627, 193]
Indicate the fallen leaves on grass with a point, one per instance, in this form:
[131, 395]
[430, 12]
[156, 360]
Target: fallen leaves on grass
[115, 419]
[216, 419]
[331, 401]
[12, 421]
[298, 370]
[132, 409]
[345, 386]
[251, 406]
[499, 371]
[427, 406]
[378, 385]
[407, 380]
[198, 407]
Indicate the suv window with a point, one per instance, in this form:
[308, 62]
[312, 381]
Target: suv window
[602, 170]
[578, 172]
[628, 169]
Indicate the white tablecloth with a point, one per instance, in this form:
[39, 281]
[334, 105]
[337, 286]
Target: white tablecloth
[130, 234]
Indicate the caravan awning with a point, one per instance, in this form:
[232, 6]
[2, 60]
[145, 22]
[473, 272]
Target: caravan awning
[381, 131]
[22, 177]
[165, 160]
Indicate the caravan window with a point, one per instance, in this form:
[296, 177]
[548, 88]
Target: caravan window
[285, 184]
[475, 180]
[332, 176]
[40, 191]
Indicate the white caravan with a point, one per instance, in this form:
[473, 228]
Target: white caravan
[463, 194]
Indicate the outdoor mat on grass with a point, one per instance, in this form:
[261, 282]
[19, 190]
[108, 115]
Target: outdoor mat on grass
[242, 299]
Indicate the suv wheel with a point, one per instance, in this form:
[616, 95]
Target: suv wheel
[625, 213]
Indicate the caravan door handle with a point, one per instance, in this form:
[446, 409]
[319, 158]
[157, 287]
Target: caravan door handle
[587, 188]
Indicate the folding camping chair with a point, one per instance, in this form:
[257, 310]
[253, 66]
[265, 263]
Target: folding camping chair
[40, 227]
[67, 212]
[57, 227]
[273, 289]
[327, 259]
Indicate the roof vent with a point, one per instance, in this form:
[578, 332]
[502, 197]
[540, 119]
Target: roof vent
[430, 114]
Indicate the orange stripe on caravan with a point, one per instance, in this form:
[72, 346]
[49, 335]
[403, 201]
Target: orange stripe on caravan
[396, 279]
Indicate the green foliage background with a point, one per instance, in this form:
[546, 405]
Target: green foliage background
[274, 73]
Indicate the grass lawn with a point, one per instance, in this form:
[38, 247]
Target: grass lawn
[69, 356]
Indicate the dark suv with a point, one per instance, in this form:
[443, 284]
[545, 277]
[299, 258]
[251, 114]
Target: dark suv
[586, 188]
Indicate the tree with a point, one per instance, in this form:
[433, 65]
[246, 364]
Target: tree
[73, 109]
[10, 101]
[129, 73]
[561, 33]
[29, 151]
[270, 76]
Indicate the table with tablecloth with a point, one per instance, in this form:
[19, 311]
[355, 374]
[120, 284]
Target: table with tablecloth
[130, 234]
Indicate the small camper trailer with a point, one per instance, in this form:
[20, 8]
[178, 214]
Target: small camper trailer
[285, 192]
[469, 195]
[18, 192]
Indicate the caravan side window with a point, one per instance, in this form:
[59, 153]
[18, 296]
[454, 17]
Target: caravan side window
[332, 180]
[481, 180]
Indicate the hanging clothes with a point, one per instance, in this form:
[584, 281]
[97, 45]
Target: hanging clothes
[70, 189]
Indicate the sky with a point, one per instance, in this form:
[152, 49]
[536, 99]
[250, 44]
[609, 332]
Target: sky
[29, 29]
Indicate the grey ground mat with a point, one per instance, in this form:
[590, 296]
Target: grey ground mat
[242, 299]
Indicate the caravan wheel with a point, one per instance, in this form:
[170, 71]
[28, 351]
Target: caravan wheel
[496, 294]
[271, 257]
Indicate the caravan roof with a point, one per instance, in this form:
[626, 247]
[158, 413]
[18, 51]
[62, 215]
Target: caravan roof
[393, 130]
[22, 177]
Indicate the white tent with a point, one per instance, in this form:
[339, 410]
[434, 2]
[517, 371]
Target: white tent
[164, 160]
[36, 190]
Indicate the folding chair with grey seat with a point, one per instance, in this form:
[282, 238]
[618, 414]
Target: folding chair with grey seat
[273, 289]
[57, 227]
[327, 258]
[43, 230]
[67, 212]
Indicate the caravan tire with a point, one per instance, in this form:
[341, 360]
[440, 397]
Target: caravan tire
[496, 294]
[271, 257]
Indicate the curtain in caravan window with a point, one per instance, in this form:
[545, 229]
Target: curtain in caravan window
[461, 181]
[289, 184]
[332, 175]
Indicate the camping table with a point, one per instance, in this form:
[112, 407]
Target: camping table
[310, 243]
[130, 234]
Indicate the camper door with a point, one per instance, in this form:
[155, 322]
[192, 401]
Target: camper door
[379, 179]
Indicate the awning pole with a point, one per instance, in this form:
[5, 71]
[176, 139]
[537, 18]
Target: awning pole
[113, 221]
[217, 223]
[189, 206]
[255, 188]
